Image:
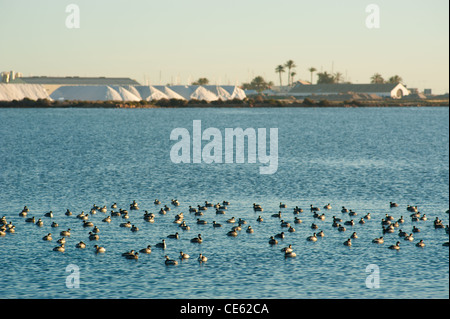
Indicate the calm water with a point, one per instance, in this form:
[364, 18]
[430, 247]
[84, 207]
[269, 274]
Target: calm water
[358, 158]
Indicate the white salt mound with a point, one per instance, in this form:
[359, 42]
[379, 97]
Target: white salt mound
[10, 91]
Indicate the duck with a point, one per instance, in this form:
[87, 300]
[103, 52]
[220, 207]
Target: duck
[81, 245]
[388, 230]
[291, 229]
[290, 254]
[392, 204]
[184, 226]
[297, 210]
[226, 203]
[134, 256]
[395, 247]
[341, 228]
[352, 213]
[68, 213]
[107, 219]
[47, 237]
[202, 258]
[409, 237]
[162, 244]
[49, 214]
[198, 214]
[280, 235]
[415, 229]
[362, 221]
[157, 202]
[62, 240]
[321, 234]
[349, 223]
[99, 249]
[273, 241]
[297, 220]
[314, 226]
[277, 215]
[220, 212]
[134, 228]
[388, 217]
[131, 252]
[242, 221]
[114, 206]
[385, 222]
[348, 242]
[378, 240]
[170, 262]
[126, 225]
[134, 206]
[201, 222]
[23, 213]
[401, 220]
[284, 224]
[162, 211]
[54, 225]
[192, 209]
[354, 235]
[424, 218]
[175, 202]
[368, 216]
[312, 238]
[174, 236]
[11, 229]
[93, 236]
[231, 220]
[249, 230]
[259, 219]
[184, 255]
[202, 208]
[87, 224]
[59, 248]
[39, 223]
[208, 204]
[232, 233]
[420, 243]
[413, 209]
[287, 249]
[237, 228]
[2, 233]
[257, 208]
[314, 209]
[30, 220]
[65, 233]
[283, 205]
[197, 239]
[216, 225]
[344, 210]
[327, 206]
[146, 250]
[104, 209]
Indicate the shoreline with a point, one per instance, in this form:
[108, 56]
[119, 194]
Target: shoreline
[247, 103]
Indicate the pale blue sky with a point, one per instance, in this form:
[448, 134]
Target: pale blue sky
[227, 41]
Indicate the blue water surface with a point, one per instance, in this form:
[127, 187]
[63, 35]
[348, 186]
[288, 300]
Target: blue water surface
[58, 159]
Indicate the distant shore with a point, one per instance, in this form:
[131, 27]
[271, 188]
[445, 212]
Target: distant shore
[247, 103]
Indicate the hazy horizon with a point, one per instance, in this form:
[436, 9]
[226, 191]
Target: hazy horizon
[231, 42]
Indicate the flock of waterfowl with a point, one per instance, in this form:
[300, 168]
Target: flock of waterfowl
[388, 225]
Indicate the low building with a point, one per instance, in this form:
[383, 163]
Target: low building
[388, 90]
[51, 84]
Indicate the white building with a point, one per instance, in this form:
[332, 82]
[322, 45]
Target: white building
[388, 90]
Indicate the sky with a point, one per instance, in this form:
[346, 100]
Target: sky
[228, 42]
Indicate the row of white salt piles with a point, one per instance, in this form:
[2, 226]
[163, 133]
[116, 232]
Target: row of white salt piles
[148, 93]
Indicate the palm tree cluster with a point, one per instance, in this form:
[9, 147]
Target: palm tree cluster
[290, 66]
[377, 78]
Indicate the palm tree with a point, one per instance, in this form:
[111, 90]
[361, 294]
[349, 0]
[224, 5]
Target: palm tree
[338, 77]
[377, 79]
[395, 79]
[279, 70]
[290, 65]
[293, 74]
[312, 70]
